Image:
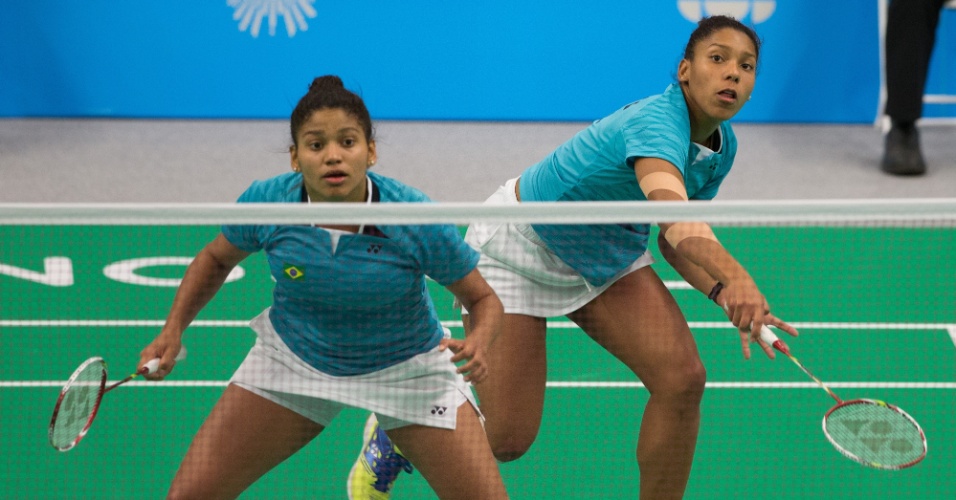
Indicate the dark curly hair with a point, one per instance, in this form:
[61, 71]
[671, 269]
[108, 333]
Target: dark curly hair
[709, 25]
[328, 92]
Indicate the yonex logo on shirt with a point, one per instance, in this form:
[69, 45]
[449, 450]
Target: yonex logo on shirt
[439, 410]
[293, 272]
[374, 248]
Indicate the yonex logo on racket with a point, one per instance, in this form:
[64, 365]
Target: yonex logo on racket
[757, 10]
[251, 13]
[876, 435]
[77, 409]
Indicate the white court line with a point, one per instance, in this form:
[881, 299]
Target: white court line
[807, 325]
[117, 322]
[771, 385]
[950, 327]
[678, 285]
[556, 384]
[158, 385]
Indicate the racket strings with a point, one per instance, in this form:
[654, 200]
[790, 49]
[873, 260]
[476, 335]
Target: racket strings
[79, 403]
[875, 433]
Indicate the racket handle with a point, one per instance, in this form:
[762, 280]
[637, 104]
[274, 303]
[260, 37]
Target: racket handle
[767, 335]
[152, 365]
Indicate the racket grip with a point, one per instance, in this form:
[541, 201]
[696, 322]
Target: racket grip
[152, 365]
[767, 335]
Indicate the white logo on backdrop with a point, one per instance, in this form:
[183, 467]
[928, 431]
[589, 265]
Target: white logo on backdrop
[758, 10]
[251, 13]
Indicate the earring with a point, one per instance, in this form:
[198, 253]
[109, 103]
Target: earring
[371, 163]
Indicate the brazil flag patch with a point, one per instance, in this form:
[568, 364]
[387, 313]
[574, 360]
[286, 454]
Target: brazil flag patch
[293, 272]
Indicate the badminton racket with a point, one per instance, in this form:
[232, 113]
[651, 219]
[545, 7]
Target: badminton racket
[868, 431]
[80, 399]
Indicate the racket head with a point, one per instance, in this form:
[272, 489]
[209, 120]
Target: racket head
[77, 404]
[875, 434]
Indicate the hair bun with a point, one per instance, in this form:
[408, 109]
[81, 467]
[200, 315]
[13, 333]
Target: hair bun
[326, 82]
[328, 92]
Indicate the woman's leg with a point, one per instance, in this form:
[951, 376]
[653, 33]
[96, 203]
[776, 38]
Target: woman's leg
[638, 321]
[457, 464]
[243, 437]
[512, 396]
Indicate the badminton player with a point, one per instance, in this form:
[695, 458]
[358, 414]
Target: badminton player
[351, 325]
[675, 146]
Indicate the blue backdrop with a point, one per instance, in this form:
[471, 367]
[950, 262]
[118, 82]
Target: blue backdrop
[418, 59]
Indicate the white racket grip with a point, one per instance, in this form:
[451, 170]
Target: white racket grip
[767, 335]
[153, 364]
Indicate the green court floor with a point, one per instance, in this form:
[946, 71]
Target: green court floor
[876, 308]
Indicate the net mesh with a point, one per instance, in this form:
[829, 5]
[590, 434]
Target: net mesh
[875, 434]
[79, 401]
[868, 284]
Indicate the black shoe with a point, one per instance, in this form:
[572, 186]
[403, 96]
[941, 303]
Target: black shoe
[901, 154]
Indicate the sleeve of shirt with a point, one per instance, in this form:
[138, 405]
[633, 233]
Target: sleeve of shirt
[446, 258]
[654, 135]
[442, 252]
[246, 237]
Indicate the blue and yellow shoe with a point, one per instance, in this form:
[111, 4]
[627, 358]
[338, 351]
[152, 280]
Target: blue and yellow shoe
[377, 467]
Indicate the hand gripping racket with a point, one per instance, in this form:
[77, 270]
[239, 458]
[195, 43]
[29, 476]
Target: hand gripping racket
[80, 399]
[871, 432]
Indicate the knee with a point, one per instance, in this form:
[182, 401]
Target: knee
[507, 453]
[510, 448]
[684, 384]
[187, 490]
[695, 380]
[176, 493]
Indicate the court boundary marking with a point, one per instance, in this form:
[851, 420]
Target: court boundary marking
[950, 328]
[820, 325]
[553, 384]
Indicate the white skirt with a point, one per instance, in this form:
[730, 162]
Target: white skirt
[423, 390]
[527, 276]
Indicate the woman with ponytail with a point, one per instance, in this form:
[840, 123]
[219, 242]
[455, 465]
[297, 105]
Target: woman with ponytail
[351, 325]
